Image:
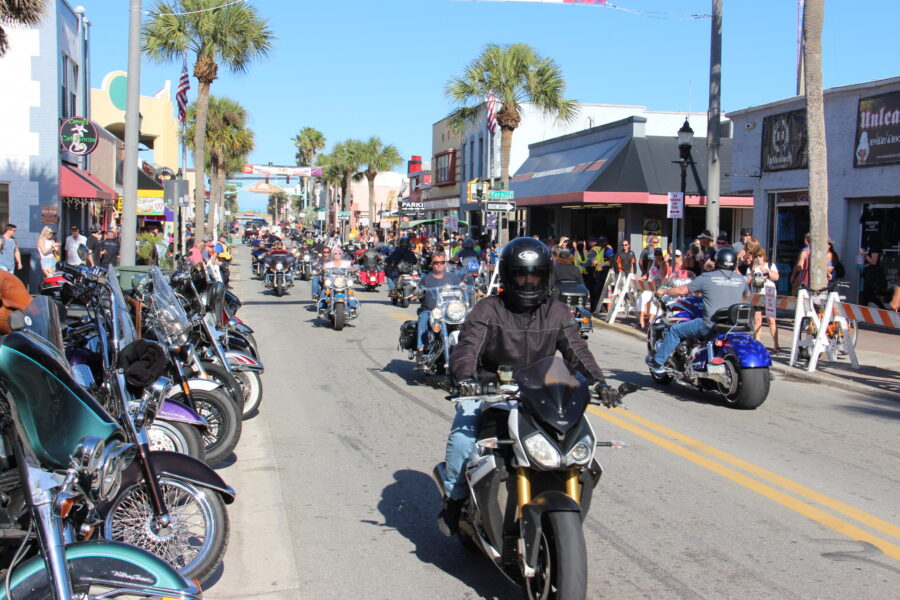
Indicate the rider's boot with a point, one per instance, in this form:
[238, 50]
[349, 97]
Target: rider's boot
[448, 518]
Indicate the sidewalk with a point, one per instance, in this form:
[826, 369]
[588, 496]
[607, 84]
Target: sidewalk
[878, 353]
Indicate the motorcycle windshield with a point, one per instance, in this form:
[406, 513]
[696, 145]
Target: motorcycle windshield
[166, 312]
[122, 313]
[554, 393]
[42, 318]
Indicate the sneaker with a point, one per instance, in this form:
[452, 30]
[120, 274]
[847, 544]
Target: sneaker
[448, 518]
[315, 298]
[654, 366]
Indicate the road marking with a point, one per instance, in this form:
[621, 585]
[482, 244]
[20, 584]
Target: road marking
[400, 316]
[816, 514]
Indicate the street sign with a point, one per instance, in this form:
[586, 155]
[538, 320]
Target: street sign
[501, 195]
[676, 206]
[343, 216]
[501, 206]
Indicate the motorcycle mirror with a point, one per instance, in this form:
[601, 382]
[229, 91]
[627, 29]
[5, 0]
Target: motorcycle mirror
[627, 388]
[17, 320]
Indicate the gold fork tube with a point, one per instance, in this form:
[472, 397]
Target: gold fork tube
[572, 485]
[523, 487]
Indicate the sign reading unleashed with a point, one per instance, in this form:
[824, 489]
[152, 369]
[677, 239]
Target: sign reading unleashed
[78, 136]
[877, 131]
[784, 141]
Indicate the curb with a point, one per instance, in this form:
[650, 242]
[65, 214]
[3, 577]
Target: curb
[788, 372]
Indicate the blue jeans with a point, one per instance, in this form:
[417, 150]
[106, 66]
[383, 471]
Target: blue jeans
[316, 286]
[460, 445]
[674, 336]
[422, 329]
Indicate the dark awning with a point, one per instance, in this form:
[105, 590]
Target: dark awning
[75, 183]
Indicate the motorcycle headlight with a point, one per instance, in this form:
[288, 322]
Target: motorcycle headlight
[279, 266]
[306, 257]
[340, 282]
[153, 397]
[542, 451]
[328, 282]
[456, 310]
[581, 453]
[436, 314]
[88, 460]
[117, 457]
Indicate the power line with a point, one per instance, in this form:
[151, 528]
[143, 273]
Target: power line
[193, 12]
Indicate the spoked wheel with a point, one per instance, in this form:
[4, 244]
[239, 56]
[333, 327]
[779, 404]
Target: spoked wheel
[176, 437]
[195, 539]
[251, 385]
[561, 569]
[224, 420]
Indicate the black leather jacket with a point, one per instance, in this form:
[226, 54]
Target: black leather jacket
[493, 335]
[401, 255]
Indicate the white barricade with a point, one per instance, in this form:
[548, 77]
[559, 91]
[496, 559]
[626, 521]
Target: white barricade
[606, 290]
[825, 326]
[623, 295]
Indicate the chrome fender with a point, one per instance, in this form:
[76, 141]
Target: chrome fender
[207, 385]
[240, 361]
[177, 466]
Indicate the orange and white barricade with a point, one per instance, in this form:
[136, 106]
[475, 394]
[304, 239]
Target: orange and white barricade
[873, 316]
[824, 325]
[606, 292]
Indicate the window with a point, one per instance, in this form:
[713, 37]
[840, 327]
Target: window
[445, 170]
[4, 203]
[472, 160]
[481, 157]
[462, 161]
[64, 93]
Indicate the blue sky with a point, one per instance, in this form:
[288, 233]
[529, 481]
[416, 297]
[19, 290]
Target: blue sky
[355, 68]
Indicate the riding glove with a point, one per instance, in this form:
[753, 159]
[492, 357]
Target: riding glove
[469, 387]
[608, 395]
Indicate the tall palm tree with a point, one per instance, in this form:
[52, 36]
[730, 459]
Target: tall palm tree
[234, 35]
[514, 73]
[377, 157]
[19, 12]
[308, 142]
[228, 140]
[331, 178]
[813, 17]
[346, 159]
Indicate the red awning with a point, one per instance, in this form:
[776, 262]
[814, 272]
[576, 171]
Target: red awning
[75, 183]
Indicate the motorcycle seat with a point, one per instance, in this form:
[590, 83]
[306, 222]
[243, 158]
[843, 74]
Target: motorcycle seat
[570, 289]
[737, 317]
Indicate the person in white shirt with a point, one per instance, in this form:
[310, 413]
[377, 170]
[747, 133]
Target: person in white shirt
[761, 271]
[74, 242]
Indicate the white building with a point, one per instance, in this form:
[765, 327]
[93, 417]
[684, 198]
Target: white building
[862, 131]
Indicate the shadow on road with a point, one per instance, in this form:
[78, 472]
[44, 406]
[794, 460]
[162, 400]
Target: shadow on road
[681, 393]
[410, 506]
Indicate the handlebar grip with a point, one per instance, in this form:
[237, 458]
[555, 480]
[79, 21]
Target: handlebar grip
[70, 269]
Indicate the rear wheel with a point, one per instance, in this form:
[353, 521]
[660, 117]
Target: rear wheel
[339, 317]
[561, 569]
[194, 541]
[176, 437]
[224, 429]
[231, 386]
[252, 386]
[749, 387]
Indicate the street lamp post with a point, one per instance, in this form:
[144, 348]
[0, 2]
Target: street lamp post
[685, 141]
[479, 194]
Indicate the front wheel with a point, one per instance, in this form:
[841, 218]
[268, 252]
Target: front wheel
[561, 569]
[749, 387]
[339, 317]
[654, 337]
[224, 429]
[175, 436]
[279, 289]
[195, 539]
[252, 386]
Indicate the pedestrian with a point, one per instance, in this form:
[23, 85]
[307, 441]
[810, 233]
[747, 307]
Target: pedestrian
[10, 259]
[746, 234]
[625, 260]
[93, 241]
[648, 254]
[874, 281]
[657, 272]
[223, 252]
[47, 247]
[76, 248]
[108, 253]
[800, 272]
[760, 272]
[705, 240]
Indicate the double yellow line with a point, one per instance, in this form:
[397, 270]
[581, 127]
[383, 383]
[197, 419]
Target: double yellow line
[804, 500]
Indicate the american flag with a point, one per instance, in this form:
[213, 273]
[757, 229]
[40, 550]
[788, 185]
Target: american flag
[184, 84]
[492, 113]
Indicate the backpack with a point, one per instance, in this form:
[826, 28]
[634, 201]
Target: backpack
[838, 270]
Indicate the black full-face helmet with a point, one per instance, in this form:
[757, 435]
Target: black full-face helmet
[726, 259]
[403, 243]
[525, 256]
[468, 244]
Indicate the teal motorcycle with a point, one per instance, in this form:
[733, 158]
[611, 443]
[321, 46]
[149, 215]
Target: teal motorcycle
[61, 451]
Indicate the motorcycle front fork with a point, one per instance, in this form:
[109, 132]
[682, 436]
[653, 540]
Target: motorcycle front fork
[523, 486]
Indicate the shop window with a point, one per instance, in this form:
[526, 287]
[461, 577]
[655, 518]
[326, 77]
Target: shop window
[788, 224]
[445, 170]
[4, 203]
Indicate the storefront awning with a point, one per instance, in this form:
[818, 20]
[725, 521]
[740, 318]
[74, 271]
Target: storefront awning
[75, 183]
[560, 170]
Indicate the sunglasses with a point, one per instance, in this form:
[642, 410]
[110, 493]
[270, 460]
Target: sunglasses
[439, 262]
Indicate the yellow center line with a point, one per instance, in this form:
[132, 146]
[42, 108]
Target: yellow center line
[400, 316]
[798, 488]
[816, 514]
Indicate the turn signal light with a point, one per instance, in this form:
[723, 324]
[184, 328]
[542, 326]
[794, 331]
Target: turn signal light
[719, 343]
[585, 320]
[65, 504]
[435, 328]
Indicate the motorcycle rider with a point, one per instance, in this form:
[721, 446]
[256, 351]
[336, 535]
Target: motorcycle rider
[370, 258]
[519, 326]
[720, 288]
[402, 254]
[336, 261]
[439, 277]
[467, 253]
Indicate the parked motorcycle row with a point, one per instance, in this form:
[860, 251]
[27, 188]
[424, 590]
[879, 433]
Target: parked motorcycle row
[119, 390]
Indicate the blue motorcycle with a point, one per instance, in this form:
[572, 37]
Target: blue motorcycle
[727, 361]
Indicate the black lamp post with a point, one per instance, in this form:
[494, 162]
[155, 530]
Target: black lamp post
[685, 141]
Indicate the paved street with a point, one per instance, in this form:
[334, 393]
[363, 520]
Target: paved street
[797, 499]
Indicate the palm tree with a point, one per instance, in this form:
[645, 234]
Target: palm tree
[228, 142]
[308, 142]
[19, 12]
[377, 157]
[233, 34]
[514, 74]
[346, 159]
[813, 17]
[331, 178]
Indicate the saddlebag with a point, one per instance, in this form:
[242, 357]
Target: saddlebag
[408, 335]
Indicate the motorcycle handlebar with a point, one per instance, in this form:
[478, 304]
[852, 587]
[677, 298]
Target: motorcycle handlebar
[80, 272]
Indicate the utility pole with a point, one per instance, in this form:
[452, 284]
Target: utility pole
[132, 125]
[712, 129]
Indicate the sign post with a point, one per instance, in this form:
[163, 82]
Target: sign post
[675, 211]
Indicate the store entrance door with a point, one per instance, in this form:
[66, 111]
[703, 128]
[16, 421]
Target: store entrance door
[789, 224]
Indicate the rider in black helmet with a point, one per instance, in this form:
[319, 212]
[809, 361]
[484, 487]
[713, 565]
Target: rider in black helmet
[521, 325]
[402, 259]
[467, 253]
[720, 288]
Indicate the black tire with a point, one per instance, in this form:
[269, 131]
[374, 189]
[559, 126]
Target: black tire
[177, 437]
[561, 570]
[279, 290]
[224, 431]
[394, 300]
[198, 515]
[665, 378]
[252, 386]
[751, 387]
[339, 317]
[404, 302]
[220, 374]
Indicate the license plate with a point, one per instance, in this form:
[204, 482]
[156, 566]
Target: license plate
[715, 369]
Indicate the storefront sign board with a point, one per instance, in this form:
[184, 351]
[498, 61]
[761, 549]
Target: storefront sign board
[675, 207]
[877, 131]
[784, 141]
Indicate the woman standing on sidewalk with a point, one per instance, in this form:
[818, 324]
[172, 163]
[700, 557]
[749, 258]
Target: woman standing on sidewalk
[760, 272]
